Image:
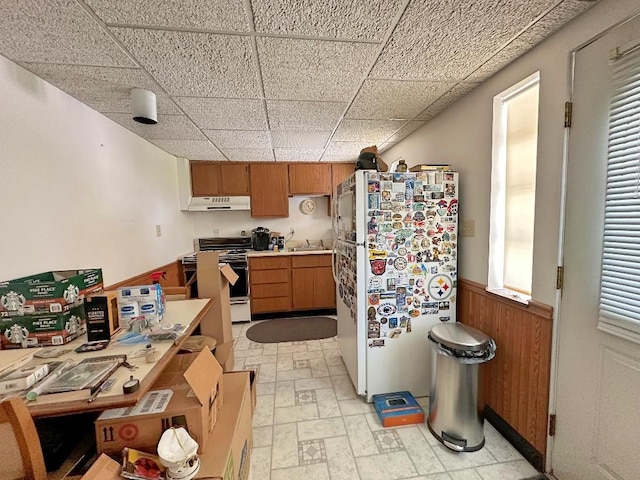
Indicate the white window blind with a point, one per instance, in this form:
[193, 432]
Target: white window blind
[620, 287]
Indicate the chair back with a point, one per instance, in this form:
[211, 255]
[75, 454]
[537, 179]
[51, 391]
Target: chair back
[20, 450]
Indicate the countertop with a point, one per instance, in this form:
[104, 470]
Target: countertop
[271, 253]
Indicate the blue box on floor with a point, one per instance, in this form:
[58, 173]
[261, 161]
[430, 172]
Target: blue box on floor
[398, 408]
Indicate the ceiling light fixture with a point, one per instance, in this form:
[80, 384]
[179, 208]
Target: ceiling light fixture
[144, 107]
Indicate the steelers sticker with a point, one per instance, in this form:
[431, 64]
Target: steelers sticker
[400, 263]
[440, 287]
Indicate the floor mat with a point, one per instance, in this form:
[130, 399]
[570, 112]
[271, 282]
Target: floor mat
[292, 329]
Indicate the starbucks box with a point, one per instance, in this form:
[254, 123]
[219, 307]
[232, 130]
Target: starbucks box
[53, 292]
[51, 329]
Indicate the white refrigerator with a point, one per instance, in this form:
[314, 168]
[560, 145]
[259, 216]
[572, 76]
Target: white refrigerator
[395, 266]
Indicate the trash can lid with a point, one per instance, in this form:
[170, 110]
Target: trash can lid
[459, 336]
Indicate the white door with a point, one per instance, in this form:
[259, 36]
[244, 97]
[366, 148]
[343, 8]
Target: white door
[598, 381]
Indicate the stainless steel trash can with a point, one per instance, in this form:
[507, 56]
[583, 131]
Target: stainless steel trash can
[455, 415]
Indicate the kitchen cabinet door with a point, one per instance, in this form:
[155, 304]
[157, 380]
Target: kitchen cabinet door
[269, 186]
[234, 179]
[312, 282]
[303, 286]
[205, 178]
[339, 173]
[309, 179]
[270, 284]
[324, 288]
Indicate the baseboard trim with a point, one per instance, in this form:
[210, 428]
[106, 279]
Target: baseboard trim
[528, 451]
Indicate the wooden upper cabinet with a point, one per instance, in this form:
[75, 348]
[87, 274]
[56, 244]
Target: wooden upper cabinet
[269, 189]
[309, 179]
[219, 178]
[339, 173]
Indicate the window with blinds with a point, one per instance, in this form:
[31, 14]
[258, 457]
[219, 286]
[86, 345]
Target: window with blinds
[620, 287]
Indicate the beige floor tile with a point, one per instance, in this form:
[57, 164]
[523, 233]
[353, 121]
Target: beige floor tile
[263, 436]
[327, 403]
[499, 447]
[298, 413]
[323, 428]
[293, 374]
[267, 373]
[360, 436]
[284, 451]
[335, 370]
[355, 406]
[263, 414]
[285, 394]
[344, 388]
[260, 463]
[285, 362]
[516, 470]
[319, 471]
[342, 464]
[313, 383]
[461, 460]
[307, 355]
[318, 367]
[265, 388]
[469, 474]
[388, 466]
[419, 451]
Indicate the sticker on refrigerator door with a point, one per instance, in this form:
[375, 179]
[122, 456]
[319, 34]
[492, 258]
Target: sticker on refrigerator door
[378, 266]
[449, 189]
[373, 329]
[387, 309]
[395, 334]
[440, 287]
[401, 296]
[374, 299]
[453, 207]
[373, 186]
[376, 343]
[409, 328]
[374, 200]
[400, 263]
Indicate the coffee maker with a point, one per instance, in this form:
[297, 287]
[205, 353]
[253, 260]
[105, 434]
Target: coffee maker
[260, 238]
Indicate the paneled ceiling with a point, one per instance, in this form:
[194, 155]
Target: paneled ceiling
[283, 80]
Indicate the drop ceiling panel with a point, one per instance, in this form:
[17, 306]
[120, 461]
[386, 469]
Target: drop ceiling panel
[192, 149]
[224, 113]
[447, 99]
[292, 155]
[444, 40]
[56, 31]
[299, 140]
[408, 129]
[321, 18]
[370, 132]
[298, 115]
[295, 69]
[344, 150]
[248, 154]
[239, 138]
[387, 99]
[105, 89]
[194, 64]
[227, 15]
[169, 127]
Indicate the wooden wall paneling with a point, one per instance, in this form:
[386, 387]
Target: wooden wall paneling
[173, 277]
[515, 384]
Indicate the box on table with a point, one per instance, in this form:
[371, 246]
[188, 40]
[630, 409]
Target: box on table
[398, 408]
[101, 310]
[228, 452]
[146, 301]
[195, 383]
[213, 282]
[50, 329]
[48, 292]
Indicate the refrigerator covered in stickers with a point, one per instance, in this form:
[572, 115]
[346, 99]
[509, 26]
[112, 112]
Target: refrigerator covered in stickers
[395, 266]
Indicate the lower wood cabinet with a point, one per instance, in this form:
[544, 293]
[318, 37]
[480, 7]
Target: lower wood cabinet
[291, 282]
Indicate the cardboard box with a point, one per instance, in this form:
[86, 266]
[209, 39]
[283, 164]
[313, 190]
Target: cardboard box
[101, 310]
[48, 292]
[228, 452]
[104, 468]
[51, 329]
[224, 355]
[145, 301]
[398, 408]
[213, 282]
[195, 381]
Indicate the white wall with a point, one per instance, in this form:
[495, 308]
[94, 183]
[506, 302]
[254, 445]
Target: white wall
[79, 191]
[314, 227]
[461, 136]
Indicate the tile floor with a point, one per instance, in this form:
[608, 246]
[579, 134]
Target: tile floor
[310, 424]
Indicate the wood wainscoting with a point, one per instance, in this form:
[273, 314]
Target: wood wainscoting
[173, 277]
[515, 384]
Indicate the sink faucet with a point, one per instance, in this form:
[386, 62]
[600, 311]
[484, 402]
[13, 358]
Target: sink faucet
[321, 243]
[308, 244]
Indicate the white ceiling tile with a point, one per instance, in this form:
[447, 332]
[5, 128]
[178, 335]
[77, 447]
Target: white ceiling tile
[227, 15]
[370, 132]
[405, 131]
[444, 40]
[169, 127]
[191, 149]
[322, 18]
[249, 154]
[447, 99]
[298, 139]
[105, 89]
[291, 155]
[56, 31]
[295, 69]
[387, 99]
[300, 115]
[349, 150]
[224, 113]
[239, 139]
[194, 64]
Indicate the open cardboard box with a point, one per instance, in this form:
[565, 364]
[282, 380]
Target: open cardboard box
[214, 280]
[104, 468]
[228, 452]
[196, 401]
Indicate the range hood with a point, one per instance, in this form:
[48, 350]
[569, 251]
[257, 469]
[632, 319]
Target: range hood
[208, 204]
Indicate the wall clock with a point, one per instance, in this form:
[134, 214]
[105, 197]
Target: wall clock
[308, 206]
